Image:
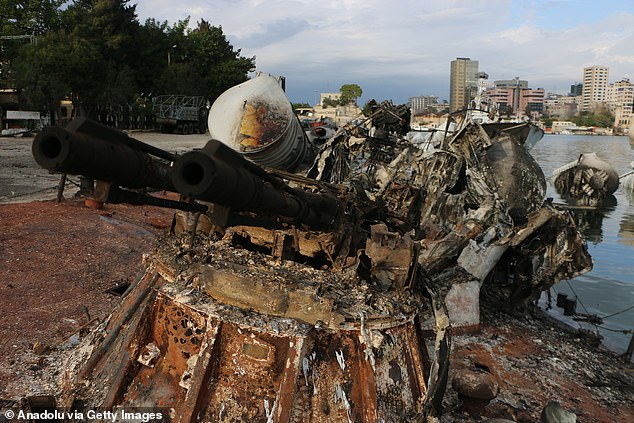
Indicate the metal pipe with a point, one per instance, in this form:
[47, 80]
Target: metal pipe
[202, 175]
[90, 154]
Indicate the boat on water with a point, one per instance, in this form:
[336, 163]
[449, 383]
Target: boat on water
[519, 127]
[587, 181]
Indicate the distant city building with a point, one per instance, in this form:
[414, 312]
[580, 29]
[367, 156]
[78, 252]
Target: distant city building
[331, 96]
[560, 106]
[429, 120]
[340, 115]
[422, 103]
[620, 101]
[576, 89]
[595, 86]
[512, 96]
[511, 83]
[463, 83]
[532, 102]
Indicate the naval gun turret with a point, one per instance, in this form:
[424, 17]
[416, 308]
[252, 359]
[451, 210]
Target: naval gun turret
[277, 310]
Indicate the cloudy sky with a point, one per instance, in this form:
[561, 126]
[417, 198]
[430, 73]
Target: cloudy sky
[395, 49]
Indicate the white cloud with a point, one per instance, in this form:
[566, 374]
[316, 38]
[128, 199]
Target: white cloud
[388, 44]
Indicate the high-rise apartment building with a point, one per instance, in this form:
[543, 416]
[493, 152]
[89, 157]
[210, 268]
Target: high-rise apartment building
[423, 102]
[620, 100]
[576, 89]
[463, 83]
[595, 86]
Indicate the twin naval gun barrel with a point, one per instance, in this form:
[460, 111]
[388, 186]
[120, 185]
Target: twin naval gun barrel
[215, 174]
[220, 175]
[90, 149]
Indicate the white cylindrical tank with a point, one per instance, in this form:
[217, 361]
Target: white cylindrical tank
[256, 119]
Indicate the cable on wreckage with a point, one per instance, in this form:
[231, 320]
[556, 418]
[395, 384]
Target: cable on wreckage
[619, 312]
[596, 325]
[602, 317]
[577, 297]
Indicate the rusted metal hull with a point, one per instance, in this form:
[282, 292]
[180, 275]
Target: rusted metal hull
[586, 181]
[173, 348]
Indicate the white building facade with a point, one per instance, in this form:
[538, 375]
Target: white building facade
[595, 86]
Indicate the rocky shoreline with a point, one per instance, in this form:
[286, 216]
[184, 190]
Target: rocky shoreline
[528, 361]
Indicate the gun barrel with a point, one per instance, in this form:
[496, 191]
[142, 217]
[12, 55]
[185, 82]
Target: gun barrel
[200, 175]
[88, 154]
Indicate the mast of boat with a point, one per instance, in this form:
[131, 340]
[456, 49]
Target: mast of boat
[479, 108]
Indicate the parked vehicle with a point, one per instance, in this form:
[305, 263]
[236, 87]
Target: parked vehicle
[181, 113]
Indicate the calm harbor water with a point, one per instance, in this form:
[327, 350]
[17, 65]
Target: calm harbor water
[609, 231]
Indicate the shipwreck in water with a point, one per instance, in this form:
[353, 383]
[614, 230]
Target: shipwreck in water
[329, 294]
[587, 181]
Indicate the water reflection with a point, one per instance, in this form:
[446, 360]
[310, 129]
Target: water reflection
[626, 229]
[589, 220]
[628, 193]
[609, 230]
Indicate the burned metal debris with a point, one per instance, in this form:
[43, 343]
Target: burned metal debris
[327, 297]
[587, 181]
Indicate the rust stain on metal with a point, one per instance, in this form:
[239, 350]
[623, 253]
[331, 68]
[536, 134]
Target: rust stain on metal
[260, 125]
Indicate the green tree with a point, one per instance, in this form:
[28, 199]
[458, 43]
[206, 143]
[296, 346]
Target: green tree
[329, 102]
[29, 17]
[601, 118]
[220, 65]
[300, 106]
[21, 22]
[44, 70]
[547, 120]
[201, 61]
[154, 50]
[111, 27]
[97, 53]
[349, 94]
[181, 78]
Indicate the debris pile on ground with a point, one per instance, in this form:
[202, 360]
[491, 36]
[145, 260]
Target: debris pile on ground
[533, 360]
[285, 297]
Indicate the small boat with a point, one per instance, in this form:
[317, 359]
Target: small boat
[588, 180]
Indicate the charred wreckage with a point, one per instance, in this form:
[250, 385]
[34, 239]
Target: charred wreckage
[325, 294]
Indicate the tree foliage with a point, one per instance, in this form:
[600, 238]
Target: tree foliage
[601, 118]
[547, 121]
[20, 22]
[300, 106]
[29, 17]
[330, 102]
[98, 54]
[349, 94]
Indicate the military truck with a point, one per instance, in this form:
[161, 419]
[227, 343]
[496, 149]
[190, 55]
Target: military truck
[181, 113]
